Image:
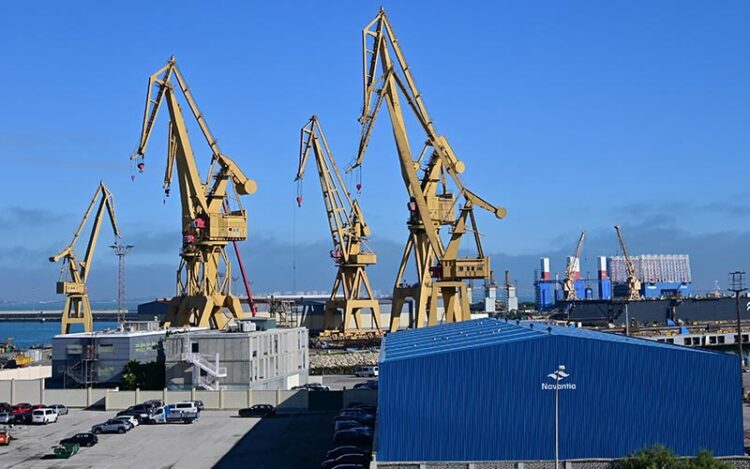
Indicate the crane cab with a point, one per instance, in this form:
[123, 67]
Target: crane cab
[70, 288]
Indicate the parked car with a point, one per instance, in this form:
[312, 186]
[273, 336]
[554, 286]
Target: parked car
[258, 410]
[197, 404]
[38, 406]
[342, 450]
[111, 426]
[21, 408]
[43, 416]
[129, 419]
[6, 417]
[5, 407]
[347, 424]
[345, 459]
[59, 408]
[358, 436]
[371, 385]
[22, 419]
[154, 403]
[167, 415]
[350, 466]
[361, 406]
[363, 417]
[140, 411]
[81, 439]
[367, 371]
[185, 406]
[312, 387]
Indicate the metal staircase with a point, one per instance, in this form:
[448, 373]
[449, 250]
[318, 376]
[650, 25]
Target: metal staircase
[206, 374]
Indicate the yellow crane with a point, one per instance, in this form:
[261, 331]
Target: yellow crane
[441, 273]
[351, 292]
[77, 309]
[204, 297]
[573, 268]
[634, 283]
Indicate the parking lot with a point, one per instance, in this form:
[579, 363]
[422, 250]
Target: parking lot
[217, 438]
[339, 382]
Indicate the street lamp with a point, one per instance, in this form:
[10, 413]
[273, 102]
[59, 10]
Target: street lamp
[557, 376]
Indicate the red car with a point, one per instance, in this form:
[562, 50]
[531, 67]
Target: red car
[21, 408]
[38, 406]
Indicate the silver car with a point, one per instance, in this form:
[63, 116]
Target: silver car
[59, 408]
[6, 417]
[111, 426]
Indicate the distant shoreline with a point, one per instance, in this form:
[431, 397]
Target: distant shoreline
[55, 315]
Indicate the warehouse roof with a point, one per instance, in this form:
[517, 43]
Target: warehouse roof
[487, 332]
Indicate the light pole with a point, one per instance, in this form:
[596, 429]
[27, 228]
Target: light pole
[121, 250]
[557, 375]
[737, 285]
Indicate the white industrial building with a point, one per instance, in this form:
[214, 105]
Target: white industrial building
[240, 359]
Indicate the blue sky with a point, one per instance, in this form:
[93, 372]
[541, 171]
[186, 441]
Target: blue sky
[571, 114]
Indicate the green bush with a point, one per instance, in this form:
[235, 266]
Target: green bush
[147, 376]
[661, 457]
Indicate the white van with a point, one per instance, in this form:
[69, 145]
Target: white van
[44, 416]
[186, 406]
[367, 371]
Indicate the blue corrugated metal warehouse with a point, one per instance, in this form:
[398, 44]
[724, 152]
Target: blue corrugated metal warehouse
[481, 391]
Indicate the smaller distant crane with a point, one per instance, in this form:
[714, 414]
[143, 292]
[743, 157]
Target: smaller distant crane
[634, 283]
[77, 308]
[351, 290]
[573, 267]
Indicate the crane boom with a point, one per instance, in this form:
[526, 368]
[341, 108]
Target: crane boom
[77, 309]
[351, 290]
[634, 283]
[208, 223]
[572, 270]
[441, 274]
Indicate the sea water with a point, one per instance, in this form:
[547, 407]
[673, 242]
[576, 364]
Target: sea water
[26, 334]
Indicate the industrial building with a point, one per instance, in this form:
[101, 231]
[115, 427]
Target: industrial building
[98, 358]
[241, 359]
[663, 275]
[485, 390]
[662, 312]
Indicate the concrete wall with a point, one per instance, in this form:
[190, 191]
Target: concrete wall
[33, 391]
[215, 400]
[29, 372]
[113, 399]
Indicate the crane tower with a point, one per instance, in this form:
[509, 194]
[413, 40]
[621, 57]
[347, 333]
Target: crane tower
[441, 273]
[204, 298]
[72, 284]
[351, 292]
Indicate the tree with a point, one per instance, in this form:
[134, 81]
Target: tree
[143, 375]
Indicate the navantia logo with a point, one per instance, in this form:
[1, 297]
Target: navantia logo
[558, 376]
